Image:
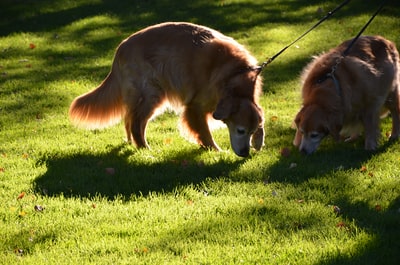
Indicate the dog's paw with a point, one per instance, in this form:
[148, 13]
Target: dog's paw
[371, 145]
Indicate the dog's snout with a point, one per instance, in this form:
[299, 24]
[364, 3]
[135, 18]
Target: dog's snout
[304, 151]
[244, 152]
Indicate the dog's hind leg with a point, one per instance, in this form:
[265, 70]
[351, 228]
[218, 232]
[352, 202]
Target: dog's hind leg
[195, 122]
[140, 108]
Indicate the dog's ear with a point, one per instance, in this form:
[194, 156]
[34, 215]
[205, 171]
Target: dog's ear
[257, 139]
[297, 138]
[295, 125]
[297, 119]
[224, 109]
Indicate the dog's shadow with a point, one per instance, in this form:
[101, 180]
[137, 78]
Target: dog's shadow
[114, 174]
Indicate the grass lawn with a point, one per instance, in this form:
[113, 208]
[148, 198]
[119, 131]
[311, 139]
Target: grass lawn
[71, 196]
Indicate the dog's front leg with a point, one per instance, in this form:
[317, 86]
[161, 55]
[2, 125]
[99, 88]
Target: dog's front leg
[371, 125]
[195, 122]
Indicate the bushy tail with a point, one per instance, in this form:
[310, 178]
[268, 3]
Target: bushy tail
[99, 108]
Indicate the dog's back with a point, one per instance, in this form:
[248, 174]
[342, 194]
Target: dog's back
[182, 57]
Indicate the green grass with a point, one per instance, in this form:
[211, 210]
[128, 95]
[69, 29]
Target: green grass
[71, 196]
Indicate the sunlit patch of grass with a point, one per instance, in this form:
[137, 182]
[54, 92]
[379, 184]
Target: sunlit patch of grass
[72, 196]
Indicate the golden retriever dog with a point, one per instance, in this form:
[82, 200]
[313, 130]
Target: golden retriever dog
[344, 94]
[201, 71]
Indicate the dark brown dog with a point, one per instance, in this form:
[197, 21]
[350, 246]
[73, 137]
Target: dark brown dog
[343, 95]
[205, 72]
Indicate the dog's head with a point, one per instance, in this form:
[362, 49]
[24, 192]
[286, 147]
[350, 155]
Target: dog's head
[313, 123]
[245, 123]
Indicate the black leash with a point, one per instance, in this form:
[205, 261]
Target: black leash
[363, 28]
[264, 64]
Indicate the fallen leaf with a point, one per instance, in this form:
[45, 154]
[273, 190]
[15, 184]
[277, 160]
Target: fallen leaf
[341, 167]
[285, 152]
[19, 251]
[39, 208]
[141, 250]
[32, 46]
[341, 224]
[336, 209]
[274, 118]
[21, 195]
[45, 191]
[22, 213]
[363, 169]
[184, 163]
[378, 208]
[110, 170]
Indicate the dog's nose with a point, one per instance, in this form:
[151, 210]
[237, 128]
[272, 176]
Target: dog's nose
[244, 152]
[304, 151]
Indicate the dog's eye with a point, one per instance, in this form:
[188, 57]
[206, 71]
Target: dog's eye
[314, 135]
[240, 131]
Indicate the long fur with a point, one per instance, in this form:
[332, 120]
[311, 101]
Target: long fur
[184, 65]
[99, 108]
[368, 79]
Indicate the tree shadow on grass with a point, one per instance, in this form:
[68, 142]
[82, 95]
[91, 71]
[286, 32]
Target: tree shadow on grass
[49, 15]
[114, 174]
[381, 248]
[329, 171]
[384, 246]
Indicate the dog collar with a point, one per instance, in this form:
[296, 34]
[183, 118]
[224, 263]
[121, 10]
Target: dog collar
[335, 81]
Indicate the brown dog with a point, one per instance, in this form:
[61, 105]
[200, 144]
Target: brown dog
[182, 64]
[343, 94]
